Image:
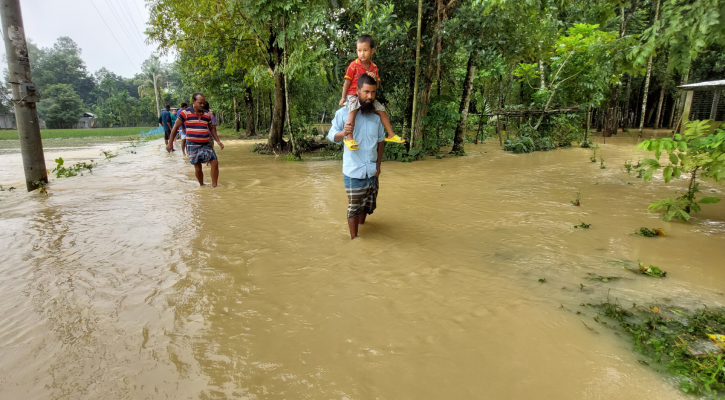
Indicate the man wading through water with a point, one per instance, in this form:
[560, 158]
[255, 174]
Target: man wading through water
[361, 168]
[199, 133]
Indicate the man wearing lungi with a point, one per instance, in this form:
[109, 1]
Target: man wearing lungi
[199, 133]
[361, 168]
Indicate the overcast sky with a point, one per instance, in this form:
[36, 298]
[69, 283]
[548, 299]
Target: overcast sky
[46, 20]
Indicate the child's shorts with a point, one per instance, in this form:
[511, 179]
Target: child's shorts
[353, 103]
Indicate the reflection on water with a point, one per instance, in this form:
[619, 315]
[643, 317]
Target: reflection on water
[133, 282]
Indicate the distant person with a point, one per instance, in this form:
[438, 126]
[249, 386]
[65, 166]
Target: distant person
[182, 130]
[199, 134]
[363, 65]
[360, 168]
[165, 121]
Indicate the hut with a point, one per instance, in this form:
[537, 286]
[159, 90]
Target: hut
[704, 101]
[88, 120]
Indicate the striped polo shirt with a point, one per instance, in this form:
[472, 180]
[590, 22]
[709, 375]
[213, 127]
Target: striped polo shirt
[197, 126]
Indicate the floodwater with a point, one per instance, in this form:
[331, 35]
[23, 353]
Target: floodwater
[134, 283]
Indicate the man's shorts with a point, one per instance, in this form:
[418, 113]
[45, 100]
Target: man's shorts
[200, 152]
[182, 135]
[167, 134]
[353, 103]
[362, 195]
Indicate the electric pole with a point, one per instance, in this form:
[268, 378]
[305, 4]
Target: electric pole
[24, 94]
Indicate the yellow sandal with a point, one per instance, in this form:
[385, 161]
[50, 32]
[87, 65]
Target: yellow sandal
[350, 144]
[395, 139]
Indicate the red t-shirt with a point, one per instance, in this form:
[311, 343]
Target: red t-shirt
[354, 70]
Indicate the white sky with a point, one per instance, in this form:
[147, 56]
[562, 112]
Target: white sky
[46, 20]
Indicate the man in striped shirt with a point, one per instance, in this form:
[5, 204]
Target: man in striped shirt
[199, 134]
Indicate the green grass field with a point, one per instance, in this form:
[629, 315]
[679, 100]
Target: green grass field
[78, 133]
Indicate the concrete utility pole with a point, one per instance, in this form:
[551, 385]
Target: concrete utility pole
[24, 94]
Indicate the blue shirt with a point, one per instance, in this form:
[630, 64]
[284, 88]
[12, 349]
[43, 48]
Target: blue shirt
[360, 163]
[166, 120]
[178, 112]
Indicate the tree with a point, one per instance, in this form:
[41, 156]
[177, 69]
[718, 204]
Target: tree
[152, 73]
[61, 64]
[61, 106]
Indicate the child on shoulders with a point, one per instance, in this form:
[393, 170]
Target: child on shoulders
[363, 65]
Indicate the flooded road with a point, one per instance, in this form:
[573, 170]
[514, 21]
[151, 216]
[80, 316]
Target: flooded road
[133, 282]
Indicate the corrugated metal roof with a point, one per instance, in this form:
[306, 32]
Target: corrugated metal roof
[704, 85]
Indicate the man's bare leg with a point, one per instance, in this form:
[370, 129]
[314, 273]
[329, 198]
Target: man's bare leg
[183, 146]
[214, 173]
[353, 223]
[199, 173]
[361, 218]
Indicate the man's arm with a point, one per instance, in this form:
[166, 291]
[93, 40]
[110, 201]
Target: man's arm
[381, 147]
[212, 130]
[173, 135]
[338, 130]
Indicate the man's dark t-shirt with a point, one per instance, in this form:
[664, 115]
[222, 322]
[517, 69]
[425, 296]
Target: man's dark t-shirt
[166, 120]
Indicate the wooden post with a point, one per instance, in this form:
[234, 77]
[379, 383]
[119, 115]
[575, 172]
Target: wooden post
[715, 101]
[498, 131]
[688, 106]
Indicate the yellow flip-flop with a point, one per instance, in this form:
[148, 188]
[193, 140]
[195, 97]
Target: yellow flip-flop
[350, 143]
[395, 139]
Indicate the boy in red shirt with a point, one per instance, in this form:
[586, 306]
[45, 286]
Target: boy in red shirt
[363, 65]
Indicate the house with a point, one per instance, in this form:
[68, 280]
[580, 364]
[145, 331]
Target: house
[7, 122]
[704, 101]
[88, 120]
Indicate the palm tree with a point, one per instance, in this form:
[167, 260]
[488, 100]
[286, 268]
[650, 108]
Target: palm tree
[152, 71]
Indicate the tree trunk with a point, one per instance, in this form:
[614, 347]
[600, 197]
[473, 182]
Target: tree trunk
[276, 128]
[249, 105]
[460, 136]
[648, 76]
[428, 79]
[413, 126]
[236, 116]
[659, 108]
[156, 94]
[681, 101]
[625, 119]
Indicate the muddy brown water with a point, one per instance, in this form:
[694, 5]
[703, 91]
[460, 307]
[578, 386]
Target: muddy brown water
[133, 282]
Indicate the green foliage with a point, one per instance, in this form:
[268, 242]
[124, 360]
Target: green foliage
[542, 280]
[10, 189]
[61, 106]
[649, 232]
[61, 171]
[695, 151]
[108, 154]
[683, 343]
[42, 187]
[583, 225]
[399, 152]
[578, 198]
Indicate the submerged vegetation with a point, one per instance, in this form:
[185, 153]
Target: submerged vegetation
[687, 344]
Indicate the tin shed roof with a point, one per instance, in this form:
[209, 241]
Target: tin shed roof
[711, 85]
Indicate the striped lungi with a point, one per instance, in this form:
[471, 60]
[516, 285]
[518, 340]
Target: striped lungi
[200, 152]
[362, 195]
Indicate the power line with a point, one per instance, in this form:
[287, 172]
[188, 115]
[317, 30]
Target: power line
[123, 27]
[138, 9]
[131, 25]
[114, 36]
